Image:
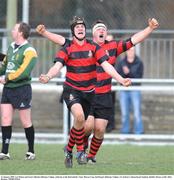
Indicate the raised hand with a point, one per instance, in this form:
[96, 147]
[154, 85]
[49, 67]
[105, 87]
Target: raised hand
[40, 29]
[153, 23]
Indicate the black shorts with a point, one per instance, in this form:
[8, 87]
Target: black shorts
[103, 107]
[72, 96]
[19, 97]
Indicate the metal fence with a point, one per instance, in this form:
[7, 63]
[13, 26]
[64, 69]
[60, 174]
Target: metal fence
[156, 52]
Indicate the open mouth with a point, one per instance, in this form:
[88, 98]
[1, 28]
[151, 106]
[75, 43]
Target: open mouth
[101, 36]
[80, 33]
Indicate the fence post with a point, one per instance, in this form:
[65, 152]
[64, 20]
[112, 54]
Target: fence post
[65, 123]
[4, 44]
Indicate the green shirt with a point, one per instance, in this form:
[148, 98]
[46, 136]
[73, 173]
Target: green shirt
[18, 64]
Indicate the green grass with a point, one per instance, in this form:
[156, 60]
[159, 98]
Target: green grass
[111, 160]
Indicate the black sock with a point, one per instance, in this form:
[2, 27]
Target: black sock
[29, 132]
[6, 136]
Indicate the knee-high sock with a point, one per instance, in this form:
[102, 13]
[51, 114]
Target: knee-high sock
[29, 133]
[71, 141]
[94, 147]
[79, 138]
[6, 136]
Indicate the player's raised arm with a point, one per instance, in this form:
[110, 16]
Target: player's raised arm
[56, 38]
[140, 36]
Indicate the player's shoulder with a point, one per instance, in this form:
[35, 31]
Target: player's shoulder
[68, 42]
[90, 41]
[29, 49]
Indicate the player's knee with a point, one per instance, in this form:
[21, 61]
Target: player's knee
[5, 121]
[89, 127]
[99, 132]
[26, 124]
[80, 118]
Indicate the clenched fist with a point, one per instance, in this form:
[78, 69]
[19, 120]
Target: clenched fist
[153, 23]
[40, 29]
[44, 78]
[127, 82]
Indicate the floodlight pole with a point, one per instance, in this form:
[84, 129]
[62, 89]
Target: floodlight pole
[11, 18]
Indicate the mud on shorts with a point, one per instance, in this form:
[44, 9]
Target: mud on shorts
[102, 106]
[18, 97]
[72, 96]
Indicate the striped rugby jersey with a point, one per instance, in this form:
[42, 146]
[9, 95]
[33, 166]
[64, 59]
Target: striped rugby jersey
[112, 49]
[81, 63]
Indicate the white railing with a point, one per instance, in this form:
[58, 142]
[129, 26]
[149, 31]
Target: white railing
[146, 84]
[143, 139]
[144, 80]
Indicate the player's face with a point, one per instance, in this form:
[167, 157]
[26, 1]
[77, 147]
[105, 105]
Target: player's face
[15, 32]
[80, 31]
[100, 35]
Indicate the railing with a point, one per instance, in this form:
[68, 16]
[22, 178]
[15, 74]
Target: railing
[146, 84]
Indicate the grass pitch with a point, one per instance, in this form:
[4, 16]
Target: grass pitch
[111, 160]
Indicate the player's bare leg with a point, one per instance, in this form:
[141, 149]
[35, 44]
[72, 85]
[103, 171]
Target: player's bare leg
[89, 127]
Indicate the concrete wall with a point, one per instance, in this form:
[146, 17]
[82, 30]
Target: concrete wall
[47, 111]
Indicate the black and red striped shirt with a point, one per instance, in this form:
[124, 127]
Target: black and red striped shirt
[81, 63]
[112, 49]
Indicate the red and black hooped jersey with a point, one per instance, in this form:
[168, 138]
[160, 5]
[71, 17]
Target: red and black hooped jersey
[112, 49]
[81, 63]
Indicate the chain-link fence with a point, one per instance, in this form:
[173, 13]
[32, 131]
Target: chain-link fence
[119, 14]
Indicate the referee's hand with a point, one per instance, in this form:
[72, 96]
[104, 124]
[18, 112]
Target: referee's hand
[2, 80]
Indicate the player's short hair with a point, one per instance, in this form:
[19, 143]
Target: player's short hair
[25, 29]
[98, 22]
[76, 20]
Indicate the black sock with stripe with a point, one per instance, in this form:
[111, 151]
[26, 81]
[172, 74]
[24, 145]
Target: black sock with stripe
[6, 136]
